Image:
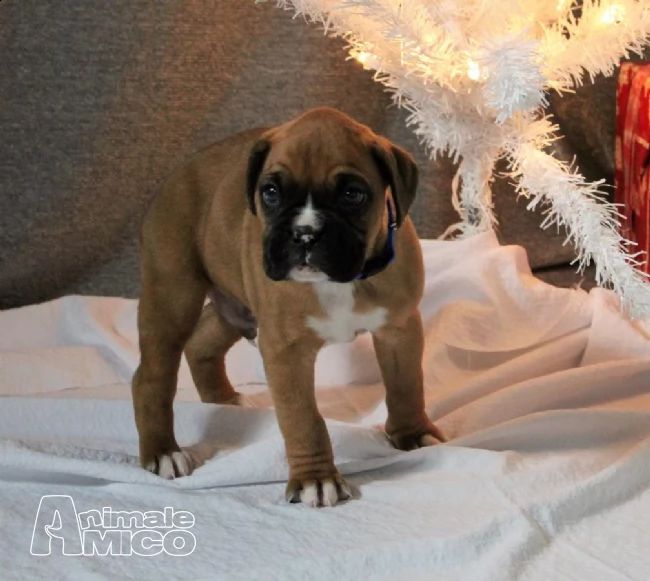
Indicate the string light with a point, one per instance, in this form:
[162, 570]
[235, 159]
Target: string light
[363, 57]
[613, 14]
[473, 70]
[367, 60]
[430, 38]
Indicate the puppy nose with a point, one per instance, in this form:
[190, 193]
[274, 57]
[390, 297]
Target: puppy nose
[304, 235]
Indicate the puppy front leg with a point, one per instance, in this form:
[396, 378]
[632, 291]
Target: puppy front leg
[313, 478]
[399, 352]
[167, 313]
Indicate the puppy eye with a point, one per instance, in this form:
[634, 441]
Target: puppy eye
[354, 196]
[271, 195]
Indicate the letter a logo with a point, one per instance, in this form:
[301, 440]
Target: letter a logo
[56, 521]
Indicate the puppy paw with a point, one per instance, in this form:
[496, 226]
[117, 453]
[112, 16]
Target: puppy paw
[317, 492]
[172, 465]
[410, 442]
[428, 440]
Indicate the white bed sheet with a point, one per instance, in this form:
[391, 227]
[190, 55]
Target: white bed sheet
[544, 394]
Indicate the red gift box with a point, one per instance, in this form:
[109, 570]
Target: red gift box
[632, 177]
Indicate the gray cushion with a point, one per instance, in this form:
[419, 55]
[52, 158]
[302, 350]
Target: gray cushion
[101, 99]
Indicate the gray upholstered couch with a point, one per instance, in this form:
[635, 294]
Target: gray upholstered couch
[100, 99]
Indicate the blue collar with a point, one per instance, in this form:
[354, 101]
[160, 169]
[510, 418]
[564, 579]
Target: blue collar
[376, 264]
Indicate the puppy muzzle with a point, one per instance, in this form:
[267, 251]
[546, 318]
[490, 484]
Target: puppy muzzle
[307, 254]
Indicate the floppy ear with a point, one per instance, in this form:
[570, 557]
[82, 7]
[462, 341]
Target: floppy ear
[256, 161]
[399, 170]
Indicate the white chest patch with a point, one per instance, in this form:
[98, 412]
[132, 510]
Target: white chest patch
[341, 324]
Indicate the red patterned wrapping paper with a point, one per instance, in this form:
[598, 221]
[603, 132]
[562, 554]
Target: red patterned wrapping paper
[632, 177]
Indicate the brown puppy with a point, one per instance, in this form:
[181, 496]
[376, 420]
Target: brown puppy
[302, 229]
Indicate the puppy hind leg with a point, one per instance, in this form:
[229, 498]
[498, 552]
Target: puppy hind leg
[206, 355]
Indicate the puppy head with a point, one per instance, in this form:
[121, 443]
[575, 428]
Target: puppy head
[318, 184]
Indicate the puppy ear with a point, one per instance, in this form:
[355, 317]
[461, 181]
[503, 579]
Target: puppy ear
[399, 170]
[256, 161]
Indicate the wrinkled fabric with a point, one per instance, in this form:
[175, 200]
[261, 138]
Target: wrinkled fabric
[543, 394]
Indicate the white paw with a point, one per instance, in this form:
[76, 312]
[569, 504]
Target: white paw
[431, 437]
[315, 493]
[174, 465]
[310, 497]
[428, 440]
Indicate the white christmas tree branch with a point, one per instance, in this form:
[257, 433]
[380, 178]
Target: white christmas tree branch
[594, 43]
[591, 223]
[472, 90]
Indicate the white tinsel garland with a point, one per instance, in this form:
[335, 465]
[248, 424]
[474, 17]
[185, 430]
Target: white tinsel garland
[473, 75]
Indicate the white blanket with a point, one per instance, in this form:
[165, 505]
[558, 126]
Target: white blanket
[544, 394]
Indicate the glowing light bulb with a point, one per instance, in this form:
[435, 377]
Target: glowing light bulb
[430, 38]
[473, 70]
[613, 14]
[363, 57]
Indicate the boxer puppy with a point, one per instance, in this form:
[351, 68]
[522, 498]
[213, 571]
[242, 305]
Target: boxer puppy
[302, 231]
